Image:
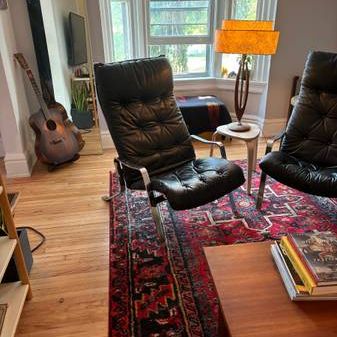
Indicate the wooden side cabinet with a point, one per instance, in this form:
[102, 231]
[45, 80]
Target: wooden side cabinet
[13, 294]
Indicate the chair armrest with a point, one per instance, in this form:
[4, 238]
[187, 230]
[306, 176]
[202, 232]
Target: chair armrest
[141, 169]
[271, 141]
[212, 143]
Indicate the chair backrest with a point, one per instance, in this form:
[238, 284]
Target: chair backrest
[311, 134]
[140, 109]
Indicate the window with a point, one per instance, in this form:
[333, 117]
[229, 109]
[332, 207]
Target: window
[181, 30]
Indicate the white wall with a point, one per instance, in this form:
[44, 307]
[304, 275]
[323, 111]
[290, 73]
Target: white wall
[14, 114]
[304, 25]
[25, 45]
[55, 19]
[96, 38]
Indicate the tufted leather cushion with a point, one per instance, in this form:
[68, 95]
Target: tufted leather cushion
[197, 182]
[311, 134]
[142, 115]
[306, 177]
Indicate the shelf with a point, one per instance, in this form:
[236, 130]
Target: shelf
[14, 294]
[6, 250]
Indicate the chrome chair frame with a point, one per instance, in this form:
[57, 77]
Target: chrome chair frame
[155, 198]
[263, 177]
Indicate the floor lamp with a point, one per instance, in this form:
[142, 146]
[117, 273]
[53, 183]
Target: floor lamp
[245, 37]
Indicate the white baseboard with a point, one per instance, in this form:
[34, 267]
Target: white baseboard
[19, 164]
[106, 139]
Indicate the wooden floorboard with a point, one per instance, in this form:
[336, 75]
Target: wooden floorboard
[70, 272]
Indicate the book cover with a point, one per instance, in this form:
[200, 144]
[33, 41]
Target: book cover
[289, 251]
[319, 252]
[288, 282]
[294, 277]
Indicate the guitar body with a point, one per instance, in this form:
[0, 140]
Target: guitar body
[57, 139]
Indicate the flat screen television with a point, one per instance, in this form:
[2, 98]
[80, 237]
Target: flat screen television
[77, 39]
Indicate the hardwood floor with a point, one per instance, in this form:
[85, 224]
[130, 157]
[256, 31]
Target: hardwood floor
[92, 140]
[70, 272]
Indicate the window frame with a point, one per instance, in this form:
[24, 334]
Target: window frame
[140, 39]
[107, 28]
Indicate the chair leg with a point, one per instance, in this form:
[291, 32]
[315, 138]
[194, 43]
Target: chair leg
[108, 198]
[233, 206]
[261, 190]
[156, 215]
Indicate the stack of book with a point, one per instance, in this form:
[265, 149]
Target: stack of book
[308, 265]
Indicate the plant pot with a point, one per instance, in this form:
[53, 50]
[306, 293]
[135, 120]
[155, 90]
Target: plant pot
[82, 119]
[11, 274]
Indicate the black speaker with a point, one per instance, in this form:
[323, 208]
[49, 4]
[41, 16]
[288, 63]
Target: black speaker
[11, 274]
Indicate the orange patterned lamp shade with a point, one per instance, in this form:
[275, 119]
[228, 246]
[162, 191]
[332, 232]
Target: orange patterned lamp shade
[246, 37]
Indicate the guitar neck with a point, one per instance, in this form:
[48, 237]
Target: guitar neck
[38, 94]
[24, 65]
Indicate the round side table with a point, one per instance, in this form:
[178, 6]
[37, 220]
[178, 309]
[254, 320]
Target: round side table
[250, 137]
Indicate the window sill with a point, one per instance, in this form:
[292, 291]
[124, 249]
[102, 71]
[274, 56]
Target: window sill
[200, 83]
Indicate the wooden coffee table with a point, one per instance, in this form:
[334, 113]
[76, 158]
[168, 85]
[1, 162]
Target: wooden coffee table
[254, 302]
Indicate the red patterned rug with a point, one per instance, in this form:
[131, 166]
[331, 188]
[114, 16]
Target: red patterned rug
[155, 293]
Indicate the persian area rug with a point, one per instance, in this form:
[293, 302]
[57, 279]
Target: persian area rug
[157, 292]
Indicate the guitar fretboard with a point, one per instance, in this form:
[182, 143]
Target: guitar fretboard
[23, 63]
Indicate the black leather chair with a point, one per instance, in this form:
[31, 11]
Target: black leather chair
[307, 159]
[153, 144]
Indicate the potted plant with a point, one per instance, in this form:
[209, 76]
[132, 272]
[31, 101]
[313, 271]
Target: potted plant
[81, 116]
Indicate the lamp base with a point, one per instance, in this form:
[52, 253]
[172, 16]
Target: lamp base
[238, 127]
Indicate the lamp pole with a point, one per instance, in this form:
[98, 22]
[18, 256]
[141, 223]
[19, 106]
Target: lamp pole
[241, 95]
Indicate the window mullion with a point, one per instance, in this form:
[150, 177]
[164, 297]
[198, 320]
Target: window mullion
[138, 28]
[266, 10]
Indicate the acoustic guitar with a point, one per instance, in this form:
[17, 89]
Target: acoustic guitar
[57, 139]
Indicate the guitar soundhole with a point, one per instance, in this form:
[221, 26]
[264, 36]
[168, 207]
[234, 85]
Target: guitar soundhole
[51, 125]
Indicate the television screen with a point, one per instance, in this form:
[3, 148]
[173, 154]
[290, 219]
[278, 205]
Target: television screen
[78, 42]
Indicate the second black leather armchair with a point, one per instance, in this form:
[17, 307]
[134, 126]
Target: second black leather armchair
[307, 159]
